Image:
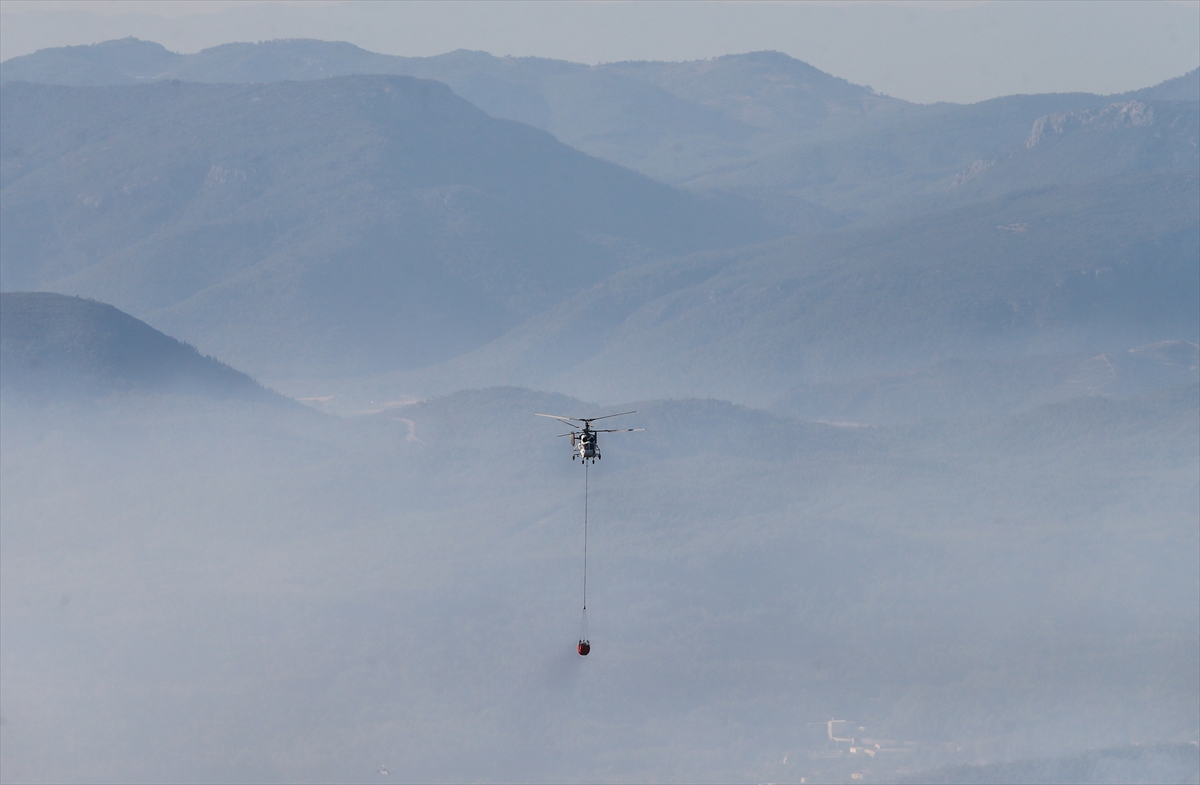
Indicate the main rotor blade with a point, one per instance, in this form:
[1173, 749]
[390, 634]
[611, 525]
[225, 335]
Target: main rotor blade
[567, 420]
[572, 433]
[605, 417]
[619, 430]
[560, 418]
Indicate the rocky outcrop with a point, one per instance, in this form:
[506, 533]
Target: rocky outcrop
[1122, 115]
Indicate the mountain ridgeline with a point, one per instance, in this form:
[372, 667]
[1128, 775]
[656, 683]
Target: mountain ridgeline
[54, 346]
[670, 119]
[761, 127]
[1107, 266]
[380, 228]
[352, 224]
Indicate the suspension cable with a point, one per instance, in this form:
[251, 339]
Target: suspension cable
[585, 523]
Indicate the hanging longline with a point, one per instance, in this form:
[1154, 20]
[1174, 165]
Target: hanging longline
[584, 645]
[585, 500]
[583, 446]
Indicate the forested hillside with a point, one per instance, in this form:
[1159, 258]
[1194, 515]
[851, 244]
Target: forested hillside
[53, 346]
[1109, 265]
[320, 228]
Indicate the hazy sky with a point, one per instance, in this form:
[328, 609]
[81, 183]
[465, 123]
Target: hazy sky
[953, 51]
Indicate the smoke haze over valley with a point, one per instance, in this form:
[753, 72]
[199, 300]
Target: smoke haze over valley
[920, 384]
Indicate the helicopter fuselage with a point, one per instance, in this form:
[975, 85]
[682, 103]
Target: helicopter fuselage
[585, 445]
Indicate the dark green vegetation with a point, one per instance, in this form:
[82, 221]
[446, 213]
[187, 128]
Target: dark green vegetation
[988, 550]
[53, 346]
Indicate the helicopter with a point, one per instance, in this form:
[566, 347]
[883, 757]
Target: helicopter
[584, 440]
[584, 446]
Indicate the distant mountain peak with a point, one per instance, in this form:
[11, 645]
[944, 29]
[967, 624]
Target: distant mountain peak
[781, 60]
[119, 61]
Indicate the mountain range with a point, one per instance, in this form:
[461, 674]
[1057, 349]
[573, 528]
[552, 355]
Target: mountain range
[682, 123]
[1107, 265]
[686, 117]
[417, 228]
[920, 388]
[382, 229]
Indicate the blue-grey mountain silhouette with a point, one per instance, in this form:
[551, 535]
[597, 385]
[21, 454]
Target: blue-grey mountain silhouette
[350, 224]
[53, 345]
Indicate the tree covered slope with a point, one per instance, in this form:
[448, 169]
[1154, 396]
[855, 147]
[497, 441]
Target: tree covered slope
[52, 345]
[1102, 266]
[344, 225]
